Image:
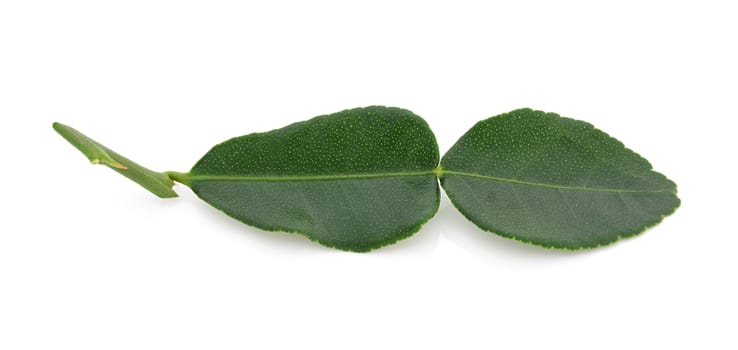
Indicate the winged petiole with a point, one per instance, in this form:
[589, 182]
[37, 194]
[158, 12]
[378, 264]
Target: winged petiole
[157, 183]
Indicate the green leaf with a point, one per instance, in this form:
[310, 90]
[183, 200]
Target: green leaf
[367, 177]
[354, 180]
[553, 181]
[157, 183]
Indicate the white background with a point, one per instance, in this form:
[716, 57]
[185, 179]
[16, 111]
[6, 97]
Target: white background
[89, 260]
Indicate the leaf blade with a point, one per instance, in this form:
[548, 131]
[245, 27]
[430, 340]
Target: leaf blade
[327, 177]
[390, 209]
[553, 181]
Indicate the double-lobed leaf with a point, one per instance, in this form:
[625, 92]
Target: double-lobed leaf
[367, 177]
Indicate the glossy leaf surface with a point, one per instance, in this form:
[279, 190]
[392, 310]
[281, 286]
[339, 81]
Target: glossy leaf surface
[354, 180]
[553, 181]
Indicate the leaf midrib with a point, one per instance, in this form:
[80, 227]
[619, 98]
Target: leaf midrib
[189, 178]
[560, 187]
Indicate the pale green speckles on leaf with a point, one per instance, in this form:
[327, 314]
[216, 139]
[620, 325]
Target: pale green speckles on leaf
[355, 180]
[367, 177]
[553, 181]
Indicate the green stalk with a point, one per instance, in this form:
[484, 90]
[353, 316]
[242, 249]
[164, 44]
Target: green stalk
[157, 183]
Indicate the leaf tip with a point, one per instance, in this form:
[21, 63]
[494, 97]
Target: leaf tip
[59, 127]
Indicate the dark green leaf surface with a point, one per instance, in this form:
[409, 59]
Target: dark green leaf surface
[354, 180]
[553, 181]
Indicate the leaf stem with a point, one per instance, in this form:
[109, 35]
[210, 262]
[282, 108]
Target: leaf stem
[157, 183]
[183, 178]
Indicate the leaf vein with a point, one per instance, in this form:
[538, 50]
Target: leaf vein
[560, 187]
[298, 178]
